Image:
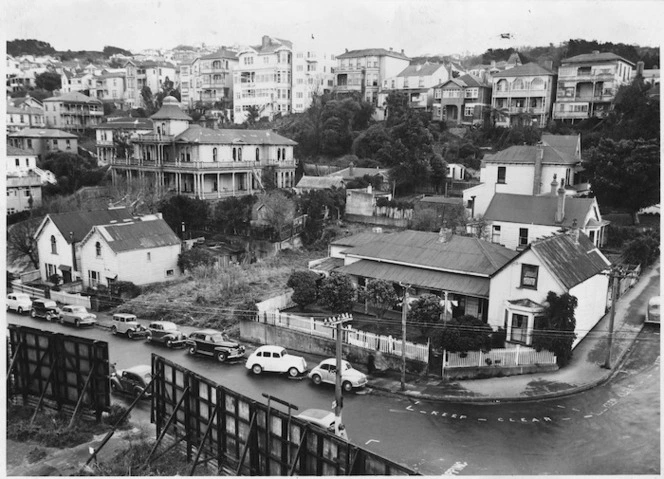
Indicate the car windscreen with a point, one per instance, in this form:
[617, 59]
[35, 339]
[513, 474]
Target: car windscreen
[217, 338]
[78, 309]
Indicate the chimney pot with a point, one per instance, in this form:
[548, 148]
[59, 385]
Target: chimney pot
[390, 48]
[560, 210]
[574, 232]
[639, 68]
[554, 185]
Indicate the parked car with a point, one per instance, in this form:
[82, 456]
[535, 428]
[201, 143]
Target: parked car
[128, 324]
[77, 315]
[214, 343]
[319, 417]
[326, 372]
[277, 360]
[45, 308]
[19, 302]
[132, 380]
[167, 333]
[652, 312]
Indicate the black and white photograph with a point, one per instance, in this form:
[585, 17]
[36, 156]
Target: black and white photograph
[305, 238]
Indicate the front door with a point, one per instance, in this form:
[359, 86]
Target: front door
[519, 328]
[66, 276]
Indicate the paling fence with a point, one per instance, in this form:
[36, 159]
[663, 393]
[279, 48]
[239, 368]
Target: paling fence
[362, 339]
[58, 371]
[240, 436]
[518, 356]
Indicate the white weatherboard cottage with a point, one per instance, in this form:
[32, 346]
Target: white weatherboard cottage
[565, 263]
[143, 251]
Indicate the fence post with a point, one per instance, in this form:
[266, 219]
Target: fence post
[516, 351]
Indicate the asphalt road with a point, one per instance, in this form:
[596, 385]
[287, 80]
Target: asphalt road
[612, 429]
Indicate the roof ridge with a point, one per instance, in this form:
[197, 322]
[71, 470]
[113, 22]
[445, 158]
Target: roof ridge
[486, 253]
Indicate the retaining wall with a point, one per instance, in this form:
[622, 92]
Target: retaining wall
[496, 371]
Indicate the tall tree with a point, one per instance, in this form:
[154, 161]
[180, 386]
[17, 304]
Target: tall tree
[181, 209]
[21, 241]
[48, 81]
[304, 287]
[381, 295]
[555, 330]
[279, 210]
[337, 293]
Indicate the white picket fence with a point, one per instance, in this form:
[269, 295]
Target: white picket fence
[518, 356]
[362, 339]
[67, 298]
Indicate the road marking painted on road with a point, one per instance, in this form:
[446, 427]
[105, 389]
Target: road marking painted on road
[566, 418]
[481, 419]
[416, 402]
[371, 440]
[398, 410]
[588, 415]
[561, 407]
[575, 409]
[456, 468]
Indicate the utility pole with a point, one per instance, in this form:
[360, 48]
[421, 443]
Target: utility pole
[404, 315]
[615, 273]
[339, 428]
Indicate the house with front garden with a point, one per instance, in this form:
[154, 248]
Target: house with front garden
[564, 263]
[142, 250]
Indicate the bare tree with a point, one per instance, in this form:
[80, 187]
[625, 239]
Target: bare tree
[279, 210]
[21, 241]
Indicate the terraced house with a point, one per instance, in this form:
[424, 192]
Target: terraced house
[205, 163]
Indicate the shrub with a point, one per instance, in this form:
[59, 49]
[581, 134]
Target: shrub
[466, 333]
[115, 414]
[304, 287]
[337, 293]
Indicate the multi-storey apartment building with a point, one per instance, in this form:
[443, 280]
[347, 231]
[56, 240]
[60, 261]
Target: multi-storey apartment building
[73, 111]
[41, 142]
[204, 163]
[588, 83]
[215, 78]
[263, 79]
[23, 184]
[464, 100]
[187, 81]
[523, 95]
[153, 74]
[72, 80]
[313, 74]
[109, 87]
[363, 71]
[133, 94]
[114, 137]
[24, 116]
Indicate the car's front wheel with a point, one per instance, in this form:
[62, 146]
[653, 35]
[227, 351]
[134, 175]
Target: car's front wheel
[347, 386]
[169, 343]
[222, 356]
[77, 323]
[114, 386]
[316, 379]
[192, 349]
[293, 372]
[33, 313]
[114, 330]
[256, 369]
[20, 310]
[130, 334]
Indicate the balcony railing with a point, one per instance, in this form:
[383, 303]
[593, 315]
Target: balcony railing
[154, 138]
[204, 165]
[570, 114]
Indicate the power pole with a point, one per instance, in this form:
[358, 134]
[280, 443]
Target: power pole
[339, 428]
[615, 273]
[404, 315]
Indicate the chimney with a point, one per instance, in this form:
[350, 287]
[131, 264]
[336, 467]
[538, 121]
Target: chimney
[639, 68]
[493, 63]
[560, 210]
[574, 232]
[266, 41]
[595, 52]
[548, 64]
[390, 48]
[350, 168]
[554, 186]
[445, 234]
[370, 189]
[537, 177]
[402, 52]
[346, 50]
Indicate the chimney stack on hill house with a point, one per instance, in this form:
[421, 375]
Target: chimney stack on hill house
[560, 210]
[445, 234]
[554, 185]
[574, 232]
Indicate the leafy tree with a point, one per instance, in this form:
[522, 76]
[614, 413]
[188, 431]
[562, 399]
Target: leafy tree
[625, 174]
[195, 257]
[279, 210]
[269, 177]
[425, 312]
[555, 330]
[371, 141]
[48, 81]
[233, 215]
[376, 181]
[337, 293]
[319, 205]
[425, 219]
[29, 47]
[21, 242]
[381, 295]
[643, 250]
[304, 287]
[636, 114]
[181, 209]
[396, 108]
[148, 100]
[466, 333]
[72, 171]
[110, 51]
[438, 172]
[253, 114]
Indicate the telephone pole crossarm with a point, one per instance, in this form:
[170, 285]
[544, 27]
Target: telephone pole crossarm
[337, 323]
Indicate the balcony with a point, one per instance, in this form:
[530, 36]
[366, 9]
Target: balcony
[569, 115]
[154, 138]
[221, 166]
[590, 77]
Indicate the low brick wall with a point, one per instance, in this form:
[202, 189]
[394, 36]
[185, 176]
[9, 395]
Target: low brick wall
[496, 371]
[261, 333]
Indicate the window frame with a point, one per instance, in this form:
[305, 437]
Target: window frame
[502, 179]
[524, 275]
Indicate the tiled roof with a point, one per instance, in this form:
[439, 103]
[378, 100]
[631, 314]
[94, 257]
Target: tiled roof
[137, 235]
[529, 69]
[423, 278]
[81, 222]
[526, 154]
[595, 57]
[74, 97]
[571, 263]
[41, 133]
[13, 151]
[537, 210]
[199, 134]
[462, 254]
[420, 70]
[126, 123]
[320, 182]
[564, 143]
[222, 53]
[472, 81]
[372, 52]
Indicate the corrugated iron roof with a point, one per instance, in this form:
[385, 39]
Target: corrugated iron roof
[442, 200]
[329, 264]
[527, 153]
[170, 110]
[320, 182]
[221, 53]
[572, 263]
[74, 97]
[81, 222]
[437, 280]
[126, 123]
[356, 240]
[199, 134]
[41, 133]
[360, 172]
[564, 143]
[418, 248]
[138, 235]
[372, 52]
[537, 210]
[595, 57]
[529, 69]
[13, 151]
[420, 70]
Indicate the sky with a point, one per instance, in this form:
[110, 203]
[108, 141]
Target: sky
[417, 26]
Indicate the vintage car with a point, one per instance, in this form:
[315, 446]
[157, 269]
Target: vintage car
[652, 311]
[45, 308]
[165, 332]
[277, 360]
[19, 302]
[211, 342]
[132, 381]
[77, 315]
[319, 417]
[326, 372]
[127, 324]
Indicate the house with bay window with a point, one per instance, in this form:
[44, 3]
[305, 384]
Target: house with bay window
[563, 263]
[465, 100]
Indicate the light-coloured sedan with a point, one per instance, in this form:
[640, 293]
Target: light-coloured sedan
[77, 315]
[275, 359]
[19, 302]
[326, 372]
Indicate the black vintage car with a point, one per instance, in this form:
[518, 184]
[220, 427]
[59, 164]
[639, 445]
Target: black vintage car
[45, 308]
[167, 333]
[132, 380]
[214, 343]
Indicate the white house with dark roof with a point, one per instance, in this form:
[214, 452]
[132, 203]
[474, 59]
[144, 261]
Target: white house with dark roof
[73, 111]
[23, 182]
[202, 162]
[527, 170]
[24, 117]
[564, 263]
[515, 221]
[143, 251]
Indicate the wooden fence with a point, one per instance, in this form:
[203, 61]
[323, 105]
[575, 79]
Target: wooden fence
[29, 276]
[67, 298]
[518, 356]
[19, 287]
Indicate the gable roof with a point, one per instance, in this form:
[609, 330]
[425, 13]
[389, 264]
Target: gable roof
[221, 53]
[529, 69]
[420, 70]
[537, 210]
[121, 122]
[567, 144]
[199, 134]
[73, 97]
[81, 222]
[526, 154]
[570, 262]
[137, 235]
[42, 133]
[595, 57]
[472, 81]
[13, 151]
[460, 254]
[357, 239]
[272, 44]
[360, 172]
[320, 182]
[372, 52]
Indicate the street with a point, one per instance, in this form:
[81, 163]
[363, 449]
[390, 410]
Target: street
[612, 429]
